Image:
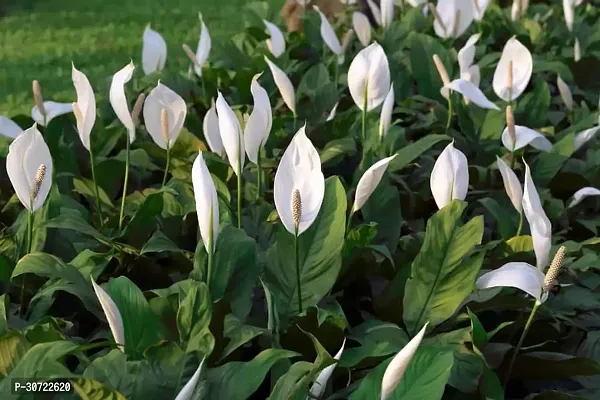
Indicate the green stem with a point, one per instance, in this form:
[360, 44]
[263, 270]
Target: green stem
[258, 174]
[348, 223]
[513, 159]
[97, 192]
[28, 249]
[164, 181]
[449, 121]
[298, 277]
[520, 224]
[295, 123]
[336, 71]
[520, 343]
[203, 90]
[127, 151]
[239, 200]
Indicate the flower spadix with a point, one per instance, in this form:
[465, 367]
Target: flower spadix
[299, 184]
[29, 167]
[513, 71]
[317, 389]
[45, 111]
[276, 42]
[395, 370]
[369, 181]
[539, 224]
[450, 176]
[362, 27]
[283, 83]
[259, 123]
[9, 128]
[210, 126]
[118, 101]
[113, 316]
[85, 107]
[328, 34]
[207, 203]
[231, 135]
[512, 186]
[188, 390]
[525, 277]
[164, 100]
[582, 194]
[154, 51]
[452, 17]
[369, 77]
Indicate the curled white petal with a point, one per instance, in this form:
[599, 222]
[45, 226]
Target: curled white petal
[362, 27]
[585, 136]
[466, 55]
[207, 203]
[565, 92]
[539, 224]
[210, 126]
[582, 194]
[387, 13]
[320, 384]
[577, 50]
[9, 128]
[385, 120]
[188, 390]
[328, 34]
[25, 155]
[369, 181]
[375, 11]
[154, 51]
[518, 275]
[517, 55]
[283, 83]
[276, 43]
[118, 101]
[113, 316]
[204, 45]
[86, 103]
[396, 368]
[512, 185]
[53, 110]
[525, 136]
[231, 135]
[471, 92]
[259, 123]
[331, 115]
[450, 176]
[299, 169]
[369, 73]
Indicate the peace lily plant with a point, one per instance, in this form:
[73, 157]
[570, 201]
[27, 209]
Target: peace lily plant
[154, 51]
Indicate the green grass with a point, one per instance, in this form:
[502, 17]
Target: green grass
[40, 38]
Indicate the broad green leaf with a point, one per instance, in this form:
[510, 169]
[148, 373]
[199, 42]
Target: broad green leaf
[193, 318]
[336, 149]
[547, 165]
[85, 187]
[320, 250]
[159, 242]
[480, 336]
[504, 217]
[408, 154]
[239, 380]
[442, 276]
[4, 299]
[13, 346]
[74, 221]
[377, 339]
[422, 49]
[383, 208]
[238, 334]
[88, 389]
[532, 110]
[140, 325]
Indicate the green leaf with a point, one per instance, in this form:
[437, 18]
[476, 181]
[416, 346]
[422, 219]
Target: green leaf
[532, 110]
[238, 334]
[504, 217]
[320, 250]
[480, 337]
[239, 380]
[424, 378]
[13, 347]
[422, 48]
[159, 242]
[4, 299]
[85, 187]
[377, 339]
[409, 153]
[337, 149]
[315, 78]
[193, 319]
[547, 165]
[88, 389]
[140, 325]
[71, 219]
[383, 208]
[441, 276]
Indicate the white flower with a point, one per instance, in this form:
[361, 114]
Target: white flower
[577, 50]
[276, 43]
[154, 51]
[385, 121]
[118, 101]
[569, 14]
[85, 107]
[455, 16]
[525, 136]
[283, 83]
[479, 8]
[163, 98]
[328, 34]
[204, 45]
[565, 92]
[207, 203]
[53, 109]
[519, 7]
[362, 27]
[331, 115]
[513, 71]
[585, 136]
[113, 316]
[369, 181]
[231, 135]
[210, 126]
[29, 168]
[387, 13]
[9, 128]
[450, 177]
[466, 56]
[396, 368]
[369, 74]
[511, 185]
[320, 384]
[375, 11]
[259, 123]
[188, 390]
[299, 169]
[471, 92]
[518, 275]
[582, 194]
[539, 224]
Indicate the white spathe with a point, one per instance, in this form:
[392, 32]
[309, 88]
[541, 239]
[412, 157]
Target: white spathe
[582, 194]
[118, 101]
[276, 42]
[9, 128]
[518, 275]
[517, 55]
[317, 389]
[385, 120]
[328, 34]
[53, 110]
[258, 126]
[539, 224]
[188, 390]
[207, 203]
[512, 185]
[163, 98]
[284, 84]
[362, 27]
[154, 51]
[86, 103]
[113, 316]
[369, 74]
[471, 92]
[525, 136]
[231, 135]
[450, 176]
[456, 16]
[369, 181]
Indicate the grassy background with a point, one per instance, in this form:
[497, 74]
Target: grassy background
[40, 38]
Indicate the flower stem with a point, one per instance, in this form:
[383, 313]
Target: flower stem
[258, 174]
[295, 123]
[449, 121]
[520, 224]
[513, 159]
[97, 192]
[336, 71]
[348, 223]
[164, 181]
[127, 151]
[28, 249]
[520, 343]
[239, 200]
[298, 277]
